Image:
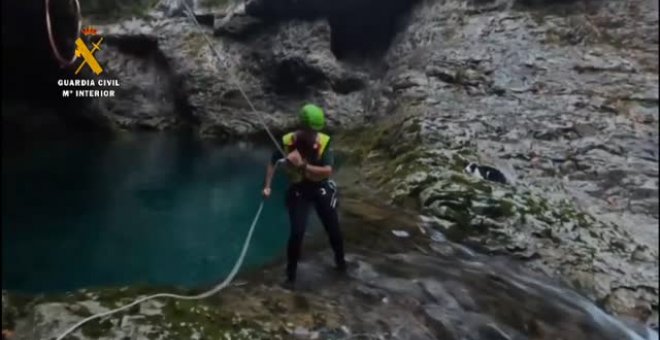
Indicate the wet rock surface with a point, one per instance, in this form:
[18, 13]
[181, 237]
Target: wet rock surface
[442, 291]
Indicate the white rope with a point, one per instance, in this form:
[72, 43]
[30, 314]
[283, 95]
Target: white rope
[235, 81]
[246, 244]
[214, 290]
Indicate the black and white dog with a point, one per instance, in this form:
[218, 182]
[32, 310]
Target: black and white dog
[486, 172]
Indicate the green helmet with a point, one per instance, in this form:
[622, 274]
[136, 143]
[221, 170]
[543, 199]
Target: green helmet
[312, 116]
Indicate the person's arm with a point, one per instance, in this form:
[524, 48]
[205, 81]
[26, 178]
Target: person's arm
[270, 172]
[325, 169]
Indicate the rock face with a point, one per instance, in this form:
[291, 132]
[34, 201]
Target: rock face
[525, 89]
[534, 93]
[278, 65]
[563, 97]
[149, 95]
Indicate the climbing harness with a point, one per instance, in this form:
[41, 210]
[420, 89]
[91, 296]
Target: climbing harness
[246, 244]
[51, 38]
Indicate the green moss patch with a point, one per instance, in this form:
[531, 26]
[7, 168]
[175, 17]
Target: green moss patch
[96, 329]
[15, 306]
[470, 183]
[390, 138]
[370, 225]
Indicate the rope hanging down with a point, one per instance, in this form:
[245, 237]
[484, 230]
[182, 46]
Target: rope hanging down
[234, 80]
[239, 261]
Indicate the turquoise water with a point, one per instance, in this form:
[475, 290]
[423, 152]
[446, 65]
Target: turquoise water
[142, 209]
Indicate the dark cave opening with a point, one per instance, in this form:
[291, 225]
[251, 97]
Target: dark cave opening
[359, 28]
[293, 77]
[361, 31]
[366, 29]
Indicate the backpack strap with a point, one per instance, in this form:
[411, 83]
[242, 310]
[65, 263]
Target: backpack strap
[288, 140]
[322, 141]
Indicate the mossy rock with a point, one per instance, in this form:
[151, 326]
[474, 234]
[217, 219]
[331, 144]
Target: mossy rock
[15, 306]
[392, 137]
[498, 209]
[458, 232]
[369, 226]
[478, 185]
[96, 329]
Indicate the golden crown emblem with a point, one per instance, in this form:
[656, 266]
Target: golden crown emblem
[89, 31]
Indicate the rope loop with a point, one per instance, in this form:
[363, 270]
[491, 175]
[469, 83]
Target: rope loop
[51, 36]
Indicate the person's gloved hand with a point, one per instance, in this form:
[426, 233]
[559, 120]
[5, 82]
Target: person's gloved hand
[295, 159]
[266, 193]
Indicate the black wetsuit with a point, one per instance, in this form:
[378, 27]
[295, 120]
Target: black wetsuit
[300, 197]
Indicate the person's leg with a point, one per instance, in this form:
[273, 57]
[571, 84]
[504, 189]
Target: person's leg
[298, 208]
[326, 202]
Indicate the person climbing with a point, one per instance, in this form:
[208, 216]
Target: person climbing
[309, 166]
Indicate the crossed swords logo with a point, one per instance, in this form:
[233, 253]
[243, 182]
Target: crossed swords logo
[88, 56]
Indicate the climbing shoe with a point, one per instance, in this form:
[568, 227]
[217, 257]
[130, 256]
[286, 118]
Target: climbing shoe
[289, 285]
[341, 268]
